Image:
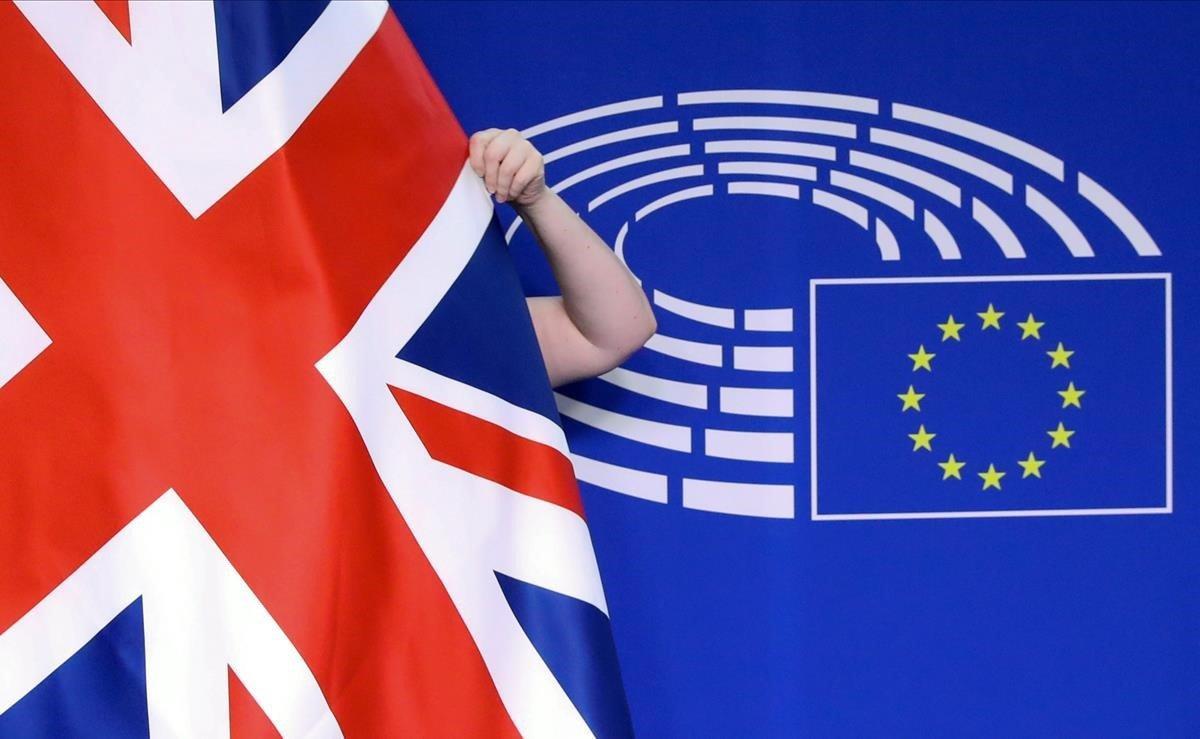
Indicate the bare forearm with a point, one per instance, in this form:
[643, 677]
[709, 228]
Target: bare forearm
[602, 316]
[602, 298]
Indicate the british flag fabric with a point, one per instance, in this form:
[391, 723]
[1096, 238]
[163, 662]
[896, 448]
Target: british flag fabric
[279, 453]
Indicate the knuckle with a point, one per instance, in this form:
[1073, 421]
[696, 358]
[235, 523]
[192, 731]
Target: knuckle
[496, 147]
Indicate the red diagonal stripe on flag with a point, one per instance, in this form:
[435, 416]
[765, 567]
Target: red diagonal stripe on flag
[492, 451]
[184, 355]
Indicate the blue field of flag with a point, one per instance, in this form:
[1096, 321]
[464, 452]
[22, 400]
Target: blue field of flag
[991, 396]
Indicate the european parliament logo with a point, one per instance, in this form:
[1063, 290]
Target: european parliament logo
[867, 309]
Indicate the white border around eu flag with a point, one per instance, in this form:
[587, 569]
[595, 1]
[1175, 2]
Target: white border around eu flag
[816, 515]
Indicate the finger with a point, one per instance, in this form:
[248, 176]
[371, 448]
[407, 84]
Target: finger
[524, 176]
[478, 143]
[511, 164]
[493, 154]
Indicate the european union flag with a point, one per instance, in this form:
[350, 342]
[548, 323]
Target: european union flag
[980, 396]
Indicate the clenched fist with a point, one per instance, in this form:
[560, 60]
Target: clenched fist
[511, 168]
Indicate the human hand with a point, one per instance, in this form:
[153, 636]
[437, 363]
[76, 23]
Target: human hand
[511, 168]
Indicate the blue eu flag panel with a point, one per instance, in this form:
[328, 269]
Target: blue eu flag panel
[972, 396]
[913, 450]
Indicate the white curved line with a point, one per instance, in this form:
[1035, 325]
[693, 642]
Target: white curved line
[600, 111]
[1066, 229]
[620, 242]
[889, 248]
[637, 132]
[654, 433]
[712, 315]
[998, 140]
[997, 229]
[782, 97]
[691, 193]
[843, 207]
[739, 498]
[941, 237]
[944, 189]
[767, 319]
[772, 189]
[619, 249]
[689, 351]
[766, 146]
[750, 446]
[777, 123]
[627, 481]
[769, 169]
[758, 401]
[875, 191]
[945, 155]
[763, 358]
[1121, 216]
[687, 394]
[691, 170]
[662, 152]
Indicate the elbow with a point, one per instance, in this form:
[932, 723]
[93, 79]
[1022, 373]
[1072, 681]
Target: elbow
[645, 325]
[649, 326]
[640, 332]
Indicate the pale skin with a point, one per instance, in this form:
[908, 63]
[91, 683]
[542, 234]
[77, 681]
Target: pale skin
[602, 315]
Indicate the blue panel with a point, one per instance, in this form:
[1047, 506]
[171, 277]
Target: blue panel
[99, 692]
[575, 640]
[253, 37]
[481, 333]
[991, 397]
[732, 625]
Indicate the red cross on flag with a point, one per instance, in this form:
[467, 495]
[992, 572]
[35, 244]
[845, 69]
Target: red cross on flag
[262, 469]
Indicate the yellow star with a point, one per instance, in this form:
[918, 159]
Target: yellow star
[991, 317]
[1071, 396]
[1030, 327]
[950, 329]
[1032, 466]
[991, 478]
[921, 439]
[951, 468]
[912, 399]
[1060, 357]
[1061, 436]
[922, 359]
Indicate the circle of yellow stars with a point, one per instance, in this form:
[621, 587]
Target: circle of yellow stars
[993, 476]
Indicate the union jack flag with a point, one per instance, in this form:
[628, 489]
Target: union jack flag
[279, 452]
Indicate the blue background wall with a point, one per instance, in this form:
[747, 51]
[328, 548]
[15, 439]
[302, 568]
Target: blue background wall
[732, 625]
